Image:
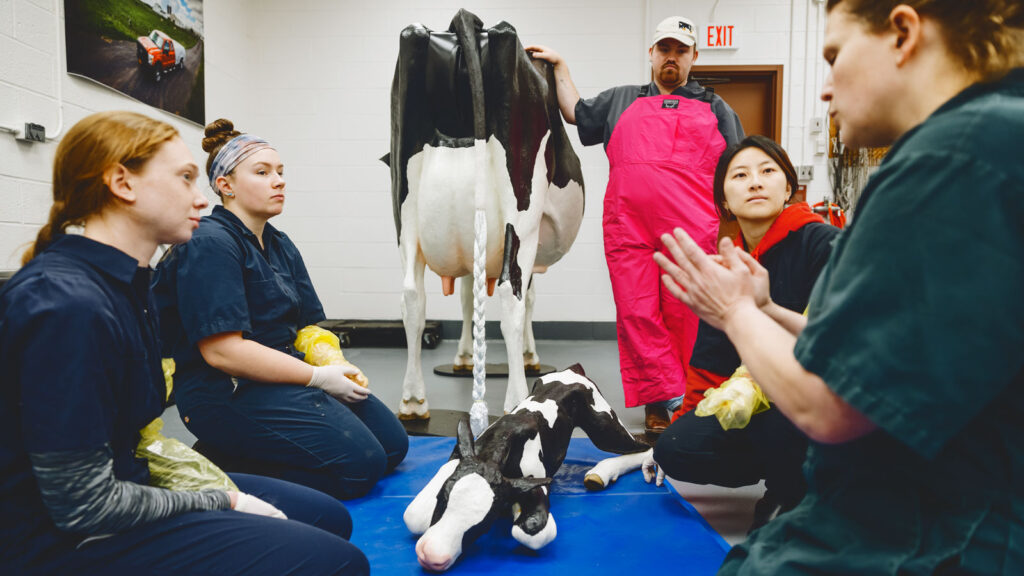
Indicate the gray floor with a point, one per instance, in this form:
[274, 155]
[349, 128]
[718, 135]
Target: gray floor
[729, 511]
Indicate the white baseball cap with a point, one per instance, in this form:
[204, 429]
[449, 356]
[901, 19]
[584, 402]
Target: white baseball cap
[677, 28]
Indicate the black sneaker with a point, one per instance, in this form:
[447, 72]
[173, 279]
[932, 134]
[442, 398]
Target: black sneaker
[766, 509]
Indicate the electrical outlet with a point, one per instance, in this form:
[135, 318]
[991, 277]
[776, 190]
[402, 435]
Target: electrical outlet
[804, 173]
[33, 133]
[817, 125]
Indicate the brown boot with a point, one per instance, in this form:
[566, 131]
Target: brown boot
[655, 419]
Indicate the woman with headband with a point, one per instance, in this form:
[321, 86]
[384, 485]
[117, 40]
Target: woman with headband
[231, 302]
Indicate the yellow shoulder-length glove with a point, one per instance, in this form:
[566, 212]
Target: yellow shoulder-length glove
[172, 464]
[322, 348]
[735, 401]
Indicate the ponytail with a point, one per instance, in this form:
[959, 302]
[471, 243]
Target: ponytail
[93, 145]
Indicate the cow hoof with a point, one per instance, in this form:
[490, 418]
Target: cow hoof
[462, 367]
[531, 367]
[594, 482]
[424, 416]
[414, 409]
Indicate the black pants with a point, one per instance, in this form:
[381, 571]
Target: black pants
[313, 540]
[697, 450]
[301, 435]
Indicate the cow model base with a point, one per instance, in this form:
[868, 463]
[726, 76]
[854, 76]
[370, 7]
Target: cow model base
[508, 469]
[464, 352]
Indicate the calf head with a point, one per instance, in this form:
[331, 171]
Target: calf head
[462, 501]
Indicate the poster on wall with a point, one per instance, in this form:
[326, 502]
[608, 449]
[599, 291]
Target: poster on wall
[149, 50]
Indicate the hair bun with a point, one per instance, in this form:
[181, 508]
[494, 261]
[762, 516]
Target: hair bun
[218, 133]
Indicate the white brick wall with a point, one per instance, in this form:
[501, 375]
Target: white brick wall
[34, 86]
[314, 77]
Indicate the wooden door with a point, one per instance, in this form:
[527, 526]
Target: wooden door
[755, 93]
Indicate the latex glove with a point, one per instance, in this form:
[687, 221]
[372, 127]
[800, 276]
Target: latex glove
[651, 469]
[253, 505]
[357, 375]
[336, 381]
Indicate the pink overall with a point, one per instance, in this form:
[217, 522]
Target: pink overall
[662, 156]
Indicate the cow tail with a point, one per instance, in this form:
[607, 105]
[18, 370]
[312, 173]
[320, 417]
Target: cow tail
[466, 26]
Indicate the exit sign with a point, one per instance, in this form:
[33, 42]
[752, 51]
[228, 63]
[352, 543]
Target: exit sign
[720, 37]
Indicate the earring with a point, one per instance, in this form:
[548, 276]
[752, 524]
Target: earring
[229, 194]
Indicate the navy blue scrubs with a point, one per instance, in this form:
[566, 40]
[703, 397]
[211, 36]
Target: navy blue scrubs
[223, 281]
[80, 369]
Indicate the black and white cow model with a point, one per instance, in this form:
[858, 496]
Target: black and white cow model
[475, 126]
[508, 469]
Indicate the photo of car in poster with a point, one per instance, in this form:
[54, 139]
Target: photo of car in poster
[149, 50]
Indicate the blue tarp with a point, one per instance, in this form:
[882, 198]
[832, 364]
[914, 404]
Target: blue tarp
[630, 528]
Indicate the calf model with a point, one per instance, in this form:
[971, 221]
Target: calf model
[509, 468]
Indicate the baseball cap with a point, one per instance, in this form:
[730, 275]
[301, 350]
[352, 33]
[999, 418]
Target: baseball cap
[678, 28]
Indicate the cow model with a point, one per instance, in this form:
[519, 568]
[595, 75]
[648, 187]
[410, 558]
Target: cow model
[475, 126]
[508, 469]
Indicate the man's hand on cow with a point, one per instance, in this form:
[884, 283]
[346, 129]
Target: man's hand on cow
[713, 290]
[544, 53]
[651, 469]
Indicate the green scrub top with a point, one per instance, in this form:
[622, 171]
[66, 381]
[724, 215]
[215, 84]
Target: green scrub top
[917, 321]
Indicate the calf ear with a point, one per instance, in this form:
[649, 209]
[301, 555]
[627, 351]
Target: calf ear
[465, 439]
[524, 485]
[577, 368]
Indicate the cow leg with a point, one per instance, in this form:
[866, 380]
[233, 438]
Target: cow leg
[531, 360]
[608, 470]
[414, 302]
[521, 252]
[533, 525]
[464, 354]
[512, 319]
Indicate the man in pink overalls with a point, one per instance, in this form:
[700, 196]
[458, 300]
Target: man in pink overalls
[663, 141]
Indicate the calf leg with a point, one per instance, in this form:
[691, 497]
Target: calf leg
[608, 470]
[592, 413]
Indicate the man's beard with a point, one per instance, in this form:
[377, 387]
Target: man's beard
[669, 76]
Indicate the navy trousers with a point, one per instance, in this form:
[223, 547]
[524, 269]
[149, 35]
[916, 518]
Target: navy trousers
[696, 449]
[302, 435]
[312, 541]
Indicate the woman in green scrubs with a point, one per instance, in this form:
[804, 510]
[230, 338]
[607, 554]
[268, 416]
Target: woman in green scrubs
[908, 376]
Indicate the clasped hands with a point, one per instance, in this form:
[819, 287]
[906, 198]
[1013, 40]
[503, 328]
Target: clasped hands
[337, 380]
[715, 287]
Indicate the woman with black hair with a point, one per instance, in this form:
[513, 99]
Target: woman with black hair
[754, 183]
